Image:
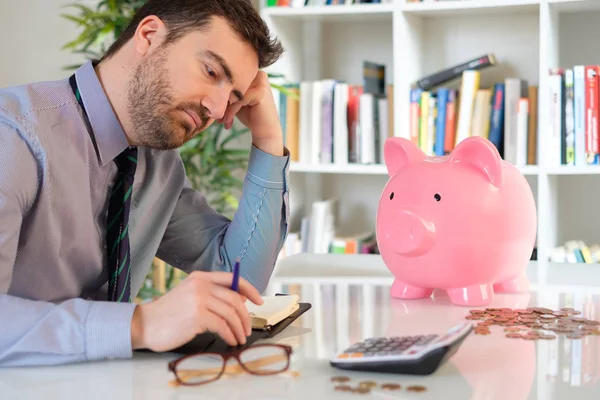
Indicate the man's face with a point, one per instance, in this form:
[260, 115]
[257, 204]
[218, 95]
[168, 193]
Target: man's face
[178, 91]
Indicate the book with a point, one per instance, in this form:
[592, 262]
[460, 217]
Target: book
[438, 78]
[273, 310]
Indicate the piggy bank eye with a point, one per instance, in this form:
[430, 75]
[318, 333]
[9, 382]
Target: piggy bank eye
[437, 197]
[391, 195]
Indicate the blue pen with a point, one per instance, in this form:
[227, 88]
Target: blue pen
[236, 276]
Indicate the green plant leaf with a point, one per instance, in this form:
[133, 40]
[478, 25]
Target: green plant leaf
[285, 91]
[71, 67]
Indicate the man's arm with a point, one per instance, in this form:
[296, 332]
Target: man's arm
[198, 238]
[38, 332]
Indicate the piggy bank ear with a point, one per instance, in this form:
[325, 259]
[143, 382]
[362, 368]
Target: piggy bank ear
[480, 154]
[399, 153]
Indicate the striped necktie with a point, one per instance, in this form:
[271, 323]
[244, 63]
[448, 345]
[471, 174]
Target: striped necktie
[117, 229]
[117, 222]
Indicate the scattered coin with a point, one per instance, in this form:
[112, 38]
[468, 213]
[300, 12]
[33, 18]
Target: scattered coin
[343, 388]
[514, 335]
[367, 384]
[512, 329]
[340, 379]
[391, 386]
[416, 388]
[534, 323]
[361, 390]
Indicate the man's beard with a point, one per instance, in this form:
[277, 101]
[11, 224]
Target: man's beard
[152, 111]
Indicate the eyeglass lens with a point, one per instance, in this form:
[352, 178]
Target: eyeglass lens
[263, 360]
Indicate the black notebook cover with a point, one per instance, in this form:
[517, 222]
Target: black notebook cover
[212, 343]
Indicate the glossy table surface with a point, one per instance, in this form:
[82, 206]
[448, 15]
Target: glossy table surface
[350, 301]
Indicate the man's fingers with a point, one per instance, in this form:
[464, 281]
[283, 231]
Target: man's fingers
[214, 323]
[245, 288]
[234, 300]
[232, 317]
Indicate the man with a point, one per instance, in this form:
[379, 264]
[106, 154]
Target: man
[92, 188]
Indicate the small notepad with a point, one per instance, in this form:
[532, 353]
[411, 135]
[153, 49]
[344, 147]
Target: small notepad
[272, 311]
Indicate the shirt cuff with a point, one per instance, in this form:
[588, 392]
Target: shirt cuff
[108, 330]
[268, 170]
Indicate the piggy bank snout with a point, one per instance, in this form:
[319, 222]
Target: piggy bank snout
[409, 234]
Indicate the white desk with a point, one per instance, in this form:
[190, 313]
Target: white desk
[350, 298]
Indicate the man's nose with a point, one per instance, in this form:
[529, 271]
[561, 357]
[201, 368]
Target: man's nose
[216, 107]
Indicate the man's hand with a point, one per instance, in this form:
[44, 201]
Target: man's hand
[201, 302]
[258, 113]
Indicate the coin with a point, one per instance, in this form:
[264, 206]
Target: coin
[343, 388]
[361, 390]
[514, 335]
[391, 386]
[574, 336]
[416, 388]
[548, 337]
[340, 379]
[367, 384]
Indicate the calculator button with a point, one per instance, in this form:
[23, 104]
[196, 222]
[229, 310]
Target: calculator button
[356, 355]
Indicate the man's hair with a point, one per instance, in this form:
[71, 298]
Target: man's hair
[184, 16]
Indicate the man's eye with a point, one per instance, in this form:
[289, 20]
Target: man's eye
[211, 72]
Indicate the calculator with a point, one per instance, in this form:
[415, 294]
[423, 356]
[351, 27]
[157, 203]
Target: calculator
[412, 355]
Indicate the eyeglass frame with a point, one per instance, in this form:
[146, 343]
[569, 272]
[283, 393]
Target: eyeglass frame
[235, 354]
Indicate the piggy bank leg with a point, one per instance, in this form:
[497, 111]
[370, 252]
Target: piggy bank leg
[476, 295]
[401, 290]
[520, 284]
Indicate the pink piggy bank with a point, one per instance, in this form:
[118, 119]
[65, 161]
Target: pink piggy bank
[464, 223]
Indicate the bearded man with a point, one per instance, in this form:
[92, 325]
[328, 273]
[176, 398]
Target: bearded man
[92, 188]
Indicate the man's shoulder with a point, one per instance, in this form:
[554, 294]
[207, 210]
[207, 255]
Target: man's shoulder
[20, 102]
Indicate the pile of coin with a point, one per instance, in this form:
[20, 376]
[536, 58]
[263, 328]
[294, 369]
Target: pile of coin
[342, 384]
[534, 323]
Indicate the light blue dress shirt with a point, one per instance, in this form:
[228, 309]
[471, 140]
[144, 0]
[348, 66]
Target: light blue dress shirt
[55, 177]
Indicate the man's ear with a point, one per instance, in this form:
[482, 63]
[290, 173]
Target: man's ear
[149, 35]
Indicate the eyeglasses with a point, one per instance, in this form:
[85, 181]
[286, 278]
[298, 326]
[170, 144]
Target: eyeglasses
[201, 368]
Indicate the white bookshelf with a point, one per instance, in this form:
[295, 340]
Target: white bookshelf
[528, 38]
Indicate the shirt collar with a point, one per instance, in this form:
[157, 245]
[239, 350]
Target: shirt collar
[107, 130]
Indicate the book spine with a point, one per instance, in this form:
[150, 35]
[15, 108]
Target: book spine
[438, 78]
[450, 133]
[554, 123]
[497, 117]
[591, 120]
[415, 115]
[468, 91]
[440, 129]
[521, 132]
[569, 121]
[532, 128]
[579, 113]
[424, 118]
